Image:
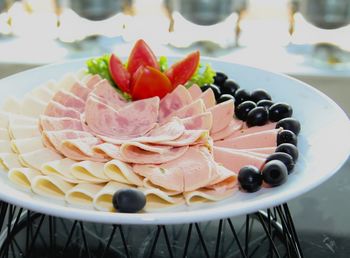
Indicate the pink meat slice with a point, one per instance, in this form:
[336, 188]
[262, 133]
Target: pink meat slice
[134, 154]
[249, 130]
[173, 101]
[195, 91]
[56, 109]
[159, 134]
[68, 99]
[93, 80]
[82, 149]
[222, 115]
[80, 90]
[108, 93]
[235, 160]
[226, 180]
[208, 98]
[234, 126]
[133, 120]
[264, 150]
[189, 137]
[195, 108]
[255, 140]
[50, 123]
[55, 138]
[187, 173]
[202, 121]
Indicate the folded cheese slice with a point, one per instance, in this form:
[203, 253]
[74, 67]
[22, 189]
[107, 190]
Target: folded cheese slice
[60, 168]
[157, 199]
[23, 177]
[51, 186]
[27, 145]
[9, 161]
[35, 159]
[122, 172]
[83, 194]
[89, 171]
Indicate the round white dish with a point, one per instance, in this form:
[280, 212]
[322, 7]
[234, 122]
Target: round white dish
[324, 145]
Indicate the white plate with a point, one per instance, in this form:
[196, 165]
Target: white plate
[324, 146]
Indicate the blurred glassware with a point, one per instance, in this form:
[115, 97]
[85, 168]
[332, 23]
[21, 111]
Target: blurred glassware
[325, 14]
[97, 10]
[206, 12]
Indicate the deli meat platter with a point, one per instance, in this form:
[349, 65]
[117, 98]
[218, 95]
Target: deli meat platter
[74, 146]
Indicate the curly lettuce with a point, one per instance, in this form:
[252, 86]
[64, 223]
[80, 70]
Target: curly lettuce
[163, 63]
[203, 75]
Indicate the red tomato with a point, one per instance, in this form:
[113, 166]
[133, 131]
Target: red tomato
[141, 55]
[150, 82]
[182, 71]
[119, 74]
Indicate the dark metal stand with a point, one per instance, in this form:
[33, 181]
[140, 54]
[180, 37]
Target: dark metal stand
[269, 233]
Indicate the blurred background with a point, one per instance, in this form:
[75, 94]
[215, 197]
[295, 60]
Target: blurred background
[306, 39]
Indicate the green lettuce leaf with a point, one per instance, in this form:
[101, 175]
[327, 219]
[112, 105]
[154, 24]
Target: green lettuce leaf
[163, 63]
[203, 75]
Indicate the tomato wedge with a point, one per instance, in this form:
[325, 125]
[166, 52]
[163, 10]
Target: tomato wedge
[119, 74]
[150, 82]
[141, 55]
[183, 70]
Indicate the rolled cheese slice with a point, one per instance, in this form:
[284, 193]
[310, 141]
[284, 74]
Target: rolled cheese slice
[156, 199]
[89, 171]
[9, 161]
[23, 177]
[103, 199]
[60, 168]
[205, 195]
[12, 105]
[27, 144]
[121, 172]
[23, 131]
[36, 159]
[31, 106]
[83, 194]
[16, 120]
[51, 186]
[5, 146]
[4, 134]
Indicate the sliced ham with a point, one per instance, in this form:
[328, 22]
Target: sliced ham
[173, 101]
[195, 91]
[82, 149]
[208, 98]
[187, 173]
[134, 154]
[55, 138]
[92, 81]
[109, 94]
[68, 99]
[167, 132]
[263, 150]
[133, 120]
[235, 160]
[49, 123]
[195, 108]
[234, 126]
[190, 137]
[226, 180]
[222, 115]
[255, 140]
[202, 121]
[80, 90]
[254, 129]
[56, 109]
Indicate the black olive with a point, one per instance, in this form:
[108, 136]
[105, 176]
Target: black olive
[290, 124]
[225, 97]
[260, 94]
[214, 88]
[229, 87]
[257, 116]
[129, 200]
[274, 173]
[284, 157]
[250, 179]
[290, 149]
[286, 136]
[220, 78]
[242, 110]
[279, 111]
[265, 103]
[241, 95]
